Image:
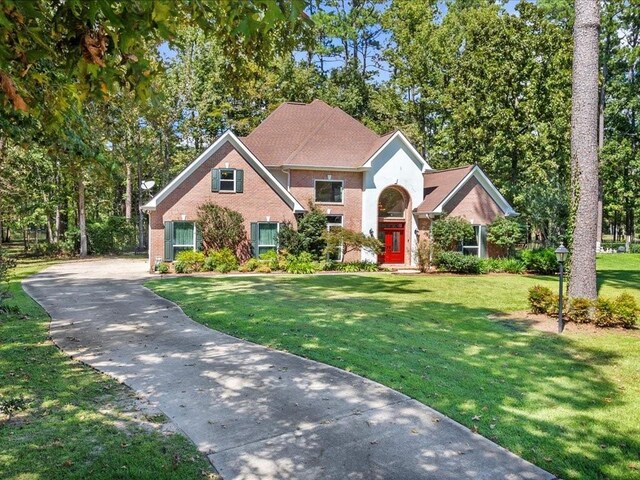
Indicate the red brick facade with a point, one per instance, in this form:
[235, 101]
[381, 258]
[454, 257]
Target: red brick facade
[257, 202]
[302, 187]
[473, 203]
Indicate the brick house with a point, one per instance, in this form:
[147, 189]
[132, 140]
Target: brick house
[301, 153]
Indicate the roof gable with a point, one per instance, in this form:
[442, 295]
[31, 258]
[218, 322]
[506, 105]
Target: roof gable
[229, 137]
[441, 186]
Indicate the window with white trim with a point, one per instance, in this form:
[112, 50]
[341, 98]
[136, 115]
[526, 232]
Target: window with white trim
[184, 237]
[333, 222]
[329, 191]
[267, 237]
[227, 180]
[474, 245]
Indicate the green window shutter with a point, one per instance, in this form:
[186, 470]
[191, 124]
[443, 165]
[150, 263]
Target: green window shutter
[215, 180]
[239, 181]
[168, 241]
[198, 238]
[254, 238]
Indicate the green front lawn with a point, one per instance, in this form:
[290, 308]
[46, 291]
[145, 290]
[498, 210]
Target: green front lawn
[569, 403]
[79, 424]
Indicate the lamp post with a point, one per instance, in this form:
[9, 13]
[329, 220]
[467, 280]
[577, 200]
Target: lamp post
[561, 256]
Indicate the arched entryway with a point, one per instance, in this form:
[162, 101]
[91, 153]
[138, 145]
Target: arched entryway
[393, 205]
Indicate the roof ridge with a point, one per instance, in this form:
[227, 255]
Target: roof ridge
[452, 168]
[309, 137]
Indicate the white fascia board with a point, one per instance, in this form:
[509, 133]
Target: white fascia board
[407, 143]
[487, 184]
[324, 168]
[227, 136]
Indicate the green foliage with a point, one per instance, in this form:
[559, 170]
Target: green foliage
[163, 268]
[350, 241]
[505, 232]
[263, 268]
[622, 311]
[7, 264]
[449, 231]
[274, 260]
[114, 235]
[223, 261]
[424, 251]
[542, 260]
[290, 240]
[221, 227]
[45, 249]
[457, 262]
[251, 265]
[581, 310]
[502, 265]
[189, 261]
[542, 299]
[311, 228]
[303, 263]
[351, 267]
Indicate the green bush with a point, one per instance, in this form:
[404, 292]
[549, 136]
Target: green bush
[457, 262]
[188, 261]
[163, 267]
[502, 265]
[220, 227]
[351, 266]
[223, 261]
[634, 248]
[274, 260]
[7, 264]
[113, 235]
[448, 232]
[622, 311]
[301, 264]
[541, 260]
[45, 249]
[542, 299]
[263, 268]
[250, 265]
[505, 232]
[290, 240]
[580, 310]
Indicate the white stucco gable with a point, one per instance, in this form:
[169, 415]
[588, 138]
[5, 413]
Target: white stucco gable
[395, 163]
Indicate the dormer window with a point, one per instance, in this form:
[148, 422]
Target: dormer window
[227, 180]
[329, 191]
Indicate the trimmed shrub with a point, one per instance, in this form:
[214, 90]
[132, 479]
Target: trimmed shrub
[622, 311]
[634, 248]
[502, 265]
[580, 310]
[542, 300]
[541, 260]
[301, 264]
[163, 267]
[189, 261]
[424, 251]
[457, 262]
[223, 261]
[505, 232]
[221, 227]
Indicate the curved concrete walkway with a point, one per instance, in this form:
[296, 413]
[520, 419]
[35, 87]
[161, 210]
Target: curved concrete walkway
[256, 413]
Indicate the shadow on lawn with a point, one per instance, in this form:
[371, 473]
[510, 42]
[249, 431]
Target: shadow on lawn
[623, 279]
[531, 392]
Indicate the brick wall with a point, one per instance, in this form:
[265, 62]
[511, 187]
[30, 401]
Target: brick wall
[473, 203]
[302, 187]
[257, 201]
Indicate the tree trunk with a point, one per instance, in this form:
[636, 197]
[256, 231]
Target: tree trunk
[128, 194]
[82, 219]
[584, 149]
[141, 243]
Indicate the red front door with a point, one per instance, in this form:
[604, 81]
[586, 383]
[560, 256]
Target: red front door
[393, 245]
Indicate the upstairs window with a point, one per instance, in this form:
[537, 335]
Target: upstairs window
[227, 180]
[329, 191]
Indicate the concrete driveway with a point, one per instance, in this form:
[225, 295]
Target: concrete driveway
[256, 413]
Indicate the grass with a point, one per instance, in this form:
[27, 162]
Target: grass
[569, 403]
[79, 423]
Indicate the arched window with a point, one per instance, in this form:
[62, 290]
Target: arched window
[391, 203]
